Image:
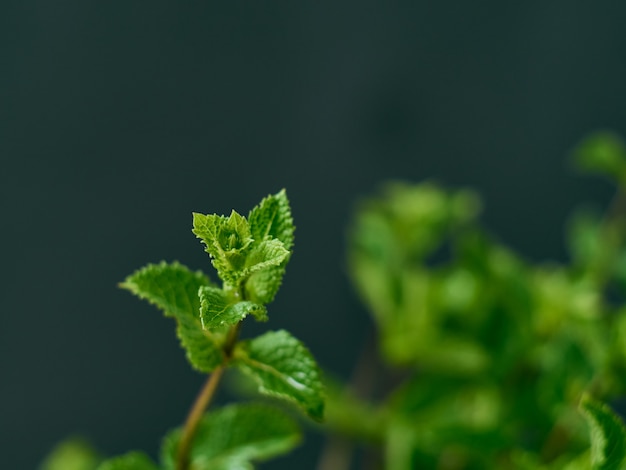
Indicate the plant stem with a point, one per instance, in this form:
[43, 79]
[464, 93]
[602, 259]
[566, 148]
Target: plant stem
[195, 414]
[337, 453]
[203, 400]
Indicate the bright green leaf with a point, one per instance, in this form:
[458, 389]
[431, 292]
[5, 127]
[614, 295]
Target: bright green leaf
[232, 437]
[217, 311]
[262, 286]
[283, 368]
[130, 461]
[608, 435]
[72, 454]
[266, 254]
[272, 219]
[174, 289]
[226, 240]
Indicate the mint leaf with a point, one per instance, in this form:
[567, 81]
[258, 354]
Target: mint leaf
[266, 254]
[271, 218]
[283, 368]
[265, 270]
[226, 240]
[232, 437]
[608, 436]
[217, 311]
[130, 461]
[270, 221]
[72, 454]
[262, 286]
[173, 288]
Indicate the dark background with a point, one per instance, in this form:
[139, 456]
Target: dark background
[120, 118]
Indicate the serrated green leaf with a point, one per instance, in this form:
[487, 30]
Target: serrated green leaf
[226, 240]
[271, 218]
[283, 368]
[72, 454]
[218, 311]
[234, 436]
[262, 286]
[130, 461]
[266, 254]
[173, 288]
[608, 435]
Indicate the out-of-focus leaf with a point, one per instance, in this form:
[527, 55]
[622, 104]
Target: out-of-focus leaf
[72, 454]
[233, 437]
[604, 153]
[608, 435]
[130, 461]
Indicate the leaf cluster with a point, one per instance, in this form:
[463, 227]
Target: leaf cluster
[491, 353]
[495, 362]
[249, 254]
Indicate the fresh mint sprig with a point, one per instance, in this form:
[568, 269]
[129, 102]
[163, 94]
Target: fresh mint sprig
[249, 254]
[496, 362]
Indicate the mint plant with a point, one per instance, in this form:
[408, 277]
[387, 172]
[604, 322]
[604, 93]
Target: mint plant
[249, 254]
[489, 354]
[485, 360]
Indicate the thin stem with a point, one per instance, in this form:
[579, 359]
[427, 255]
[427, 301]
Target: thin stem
[337, 453]
[195, 414]
[203, 400]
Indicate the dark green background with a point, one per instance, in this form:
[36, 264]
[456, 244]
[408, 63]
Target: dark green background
[120, 118]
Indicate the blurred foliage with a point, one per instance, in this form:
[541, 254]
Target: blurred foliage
[72, 454]
[482, 359]
[491, 353]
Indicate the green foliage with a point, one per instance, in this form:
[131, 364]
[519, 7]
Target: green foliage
[603, 153]
[217, 310]
[253, 252]
[130, 461]
[174, 289]
[492, 352]
[283, 368]
[608, 436]
[486, 360]
[249, 255]
[72, 454]
[235, 436]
